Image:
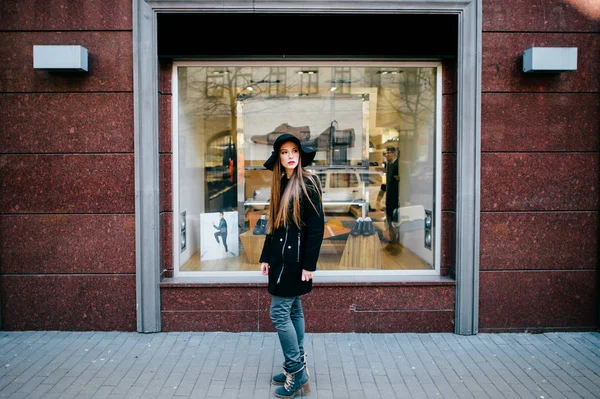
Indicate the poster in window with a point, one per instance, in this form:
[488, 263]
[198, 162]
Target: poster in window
[219, 235]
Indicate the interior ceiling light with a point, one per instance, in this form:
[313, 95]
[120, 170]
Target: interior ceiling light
[333, 88]
[309, 72]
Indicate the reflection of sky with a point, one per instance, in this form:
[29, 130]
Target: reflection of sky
[263, 116]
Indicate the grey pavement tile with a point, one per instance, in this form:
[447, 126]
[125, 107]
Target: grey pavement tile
[366, 375]
[44, 354]
[323, 381]
[370, 390]
[229, 393]
[22, 356]
[324, 394]
[353, 384]
[431, 390]
[340, 391]
[163, 365]
[413, 385]
[103, 392]
[55, 376]
[166, 392]
[445, 390]
[185, 388]
[581, 356]
[592, 387]
[382, 382]
[221, 373]
[40, 391]
[462, 391]
[10, 389]
[400, 389]
[140, 392]
[62, 384]
[5, 380]
[249, 373]
[30, 384]
[261, 393]
[355, 395]
[16, 342]
[336, 374]
[123, 386]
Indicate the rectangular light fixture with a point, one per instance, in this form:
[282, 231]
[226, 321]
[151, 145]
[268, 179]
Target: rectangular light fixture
[549, 59]
[60, 58]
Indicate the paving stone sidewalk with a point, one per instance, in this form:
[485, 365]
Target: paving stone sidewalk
[53, 364]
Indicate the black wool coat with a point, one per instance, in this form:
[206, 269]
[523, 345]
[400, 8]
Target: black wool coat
[290, 249]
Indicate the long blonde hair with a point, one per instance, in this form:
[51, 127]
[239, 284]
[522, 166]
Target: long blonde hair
[285, 209]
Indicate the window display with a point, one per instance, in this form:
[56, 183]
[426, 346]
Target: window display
[376, 136]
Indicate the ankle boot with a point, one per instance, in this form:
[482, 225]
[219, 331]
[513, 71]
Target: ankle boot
[295, 382]
[279, 379]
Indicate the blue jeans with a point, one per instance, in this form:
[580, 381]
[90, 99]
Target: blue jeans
[288, 319]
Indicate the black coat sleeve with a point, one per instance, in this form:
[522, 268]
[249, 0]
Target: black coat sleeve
[314, 226]
[264, 256]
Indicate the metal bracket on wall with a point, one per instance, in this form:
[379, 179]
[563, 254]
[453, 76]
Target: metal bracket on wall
[183, 238]
[428, 222]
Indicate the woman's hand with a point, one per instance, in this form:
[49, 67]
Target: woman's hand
[264, 268]
[306, 275]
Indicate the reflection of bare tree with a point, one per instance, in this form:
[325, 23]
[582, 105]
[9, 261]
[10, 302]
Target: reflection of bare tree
[411, 99]
[410, 96]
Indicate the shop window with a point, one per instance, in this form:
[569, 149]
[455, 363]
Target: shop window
[377, 140]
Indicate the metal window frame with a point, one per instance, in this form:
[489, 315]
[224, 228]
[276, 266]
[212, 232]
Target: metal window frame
[146, 127]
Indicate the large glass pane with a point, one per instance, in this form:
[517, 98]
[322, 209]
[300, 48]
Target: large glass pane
[374, 132]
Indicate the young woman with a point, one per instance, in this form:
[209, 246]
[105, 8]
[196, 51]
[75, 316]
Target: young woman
[290, 253]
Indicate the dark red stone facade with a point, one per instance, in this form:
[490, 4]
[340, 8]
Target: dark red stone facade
[67, 196]
[336, 307]
[67, 199]
[540, 193]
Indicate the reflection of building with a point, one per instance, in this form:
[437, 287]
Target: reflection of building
[91, 189]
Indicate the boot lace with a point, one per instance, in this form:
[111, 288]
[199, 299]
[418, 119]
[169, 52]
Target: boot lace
[289, 381]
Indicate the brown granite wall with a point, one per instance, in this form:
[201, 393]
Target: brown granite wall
[67, 224]
[539, 176]
[339, 307]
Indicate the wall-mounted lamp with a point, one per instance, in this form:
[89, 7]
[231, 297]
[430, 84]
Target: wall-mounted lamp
[549, 59]
[60, 58]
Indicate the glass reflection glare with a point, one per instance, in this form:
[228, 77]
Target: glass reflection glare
[229, 117]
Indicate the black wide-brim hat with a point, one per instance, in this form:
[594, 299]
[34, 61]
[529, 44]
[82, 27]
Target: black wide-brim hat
[307, 154]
